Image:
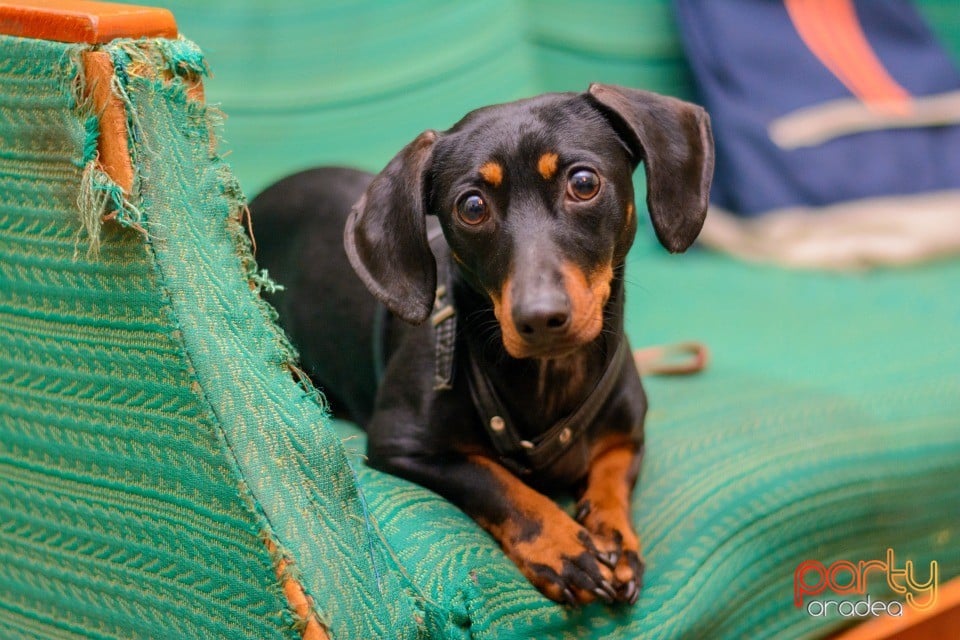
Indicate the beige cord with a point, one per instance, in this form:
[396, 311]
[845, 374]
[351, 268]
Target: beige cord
[682, 358]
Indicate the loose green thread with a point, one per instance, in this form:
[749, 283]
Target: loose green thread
[100, 199]
[182, 57]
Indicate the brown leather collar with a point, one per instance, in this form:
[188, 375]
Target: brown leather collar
[522, 456]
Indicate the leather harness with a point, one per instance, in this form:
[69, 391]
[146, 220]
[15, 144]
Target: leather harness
[528, 456]
[520, 455]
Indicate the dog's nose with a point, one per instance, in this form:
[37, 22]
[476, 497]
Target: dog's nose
[542, 318]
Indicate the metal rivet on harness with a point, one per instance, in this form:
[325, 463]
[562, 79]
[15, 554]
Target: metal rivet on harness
[497, 424]
[526, 444]
[565, 435]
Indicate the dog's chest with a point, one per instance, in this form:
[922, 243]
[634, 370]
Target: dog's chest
[560, 385]
[543, 392]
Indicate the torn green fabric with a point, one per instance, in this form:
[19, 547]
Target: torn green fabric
[291, 461]
[151, 435]
[121, 514]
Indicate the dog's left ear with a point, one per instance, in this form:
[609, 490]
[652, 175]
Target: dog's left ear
[673, 139]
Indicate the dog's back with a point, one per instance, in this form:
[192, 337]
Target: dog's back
[298, 228]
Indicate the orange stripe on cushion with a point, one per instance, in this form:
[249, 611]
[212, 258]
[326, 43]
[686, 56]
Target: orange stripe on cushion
[832, 32]
[807, 19]
[877, 85]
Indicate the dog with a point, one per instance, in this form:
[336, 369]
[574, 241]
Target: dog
[490, 364]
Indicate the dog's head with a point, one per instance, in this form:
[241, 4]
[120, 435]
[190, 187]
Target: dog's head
[535, 199]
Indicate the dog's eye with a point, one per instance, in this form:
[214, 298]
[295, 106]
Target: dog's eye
[472, 209]
[583, 184]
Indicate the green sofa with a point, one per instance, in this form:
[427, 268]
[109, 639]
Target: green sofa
[165, 471]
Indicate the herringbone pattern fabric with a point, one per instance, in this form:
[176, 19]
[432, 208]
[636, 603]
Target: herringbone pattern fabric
[151, 435]
[827, 427]
[119, 514]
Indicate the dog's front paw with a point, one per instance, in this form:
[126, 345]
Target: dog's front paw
[563, 563]
[617, 544]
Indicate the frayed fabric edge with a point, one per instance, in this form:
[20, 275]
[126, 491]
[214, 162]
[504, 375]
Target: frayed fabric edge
[102, 197]
[100, 200]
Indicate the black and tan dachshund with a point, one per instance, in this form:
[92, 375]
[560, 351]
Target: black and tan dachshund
[490, 363]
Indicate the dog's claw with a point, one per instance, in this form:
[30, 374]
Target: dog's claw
[569, 598]
[607, 588]
[610, 558]
[583, 509]
[603, 595]
[631, 593]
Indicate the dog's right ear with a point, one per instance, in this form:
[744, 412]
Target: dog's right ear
[673, 140]
[386, 234]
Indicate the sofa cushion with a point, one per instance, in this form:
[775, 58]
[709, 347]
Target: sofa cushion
[825, 428]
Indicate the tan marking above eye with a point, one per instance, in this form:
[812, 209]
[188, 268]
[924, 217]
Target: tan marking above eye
[492, 173]
[547, 165]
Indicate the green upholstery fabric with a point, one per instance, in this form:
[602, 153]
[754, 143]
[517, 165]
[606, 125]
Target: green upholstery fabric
[152, 438]
[151, 435]
[121, 512]
[307, 83]
[827, 430]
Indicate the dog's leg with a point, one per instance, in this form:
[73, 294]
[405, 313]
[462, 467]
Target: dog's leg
[555, 553]
[604, 510]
